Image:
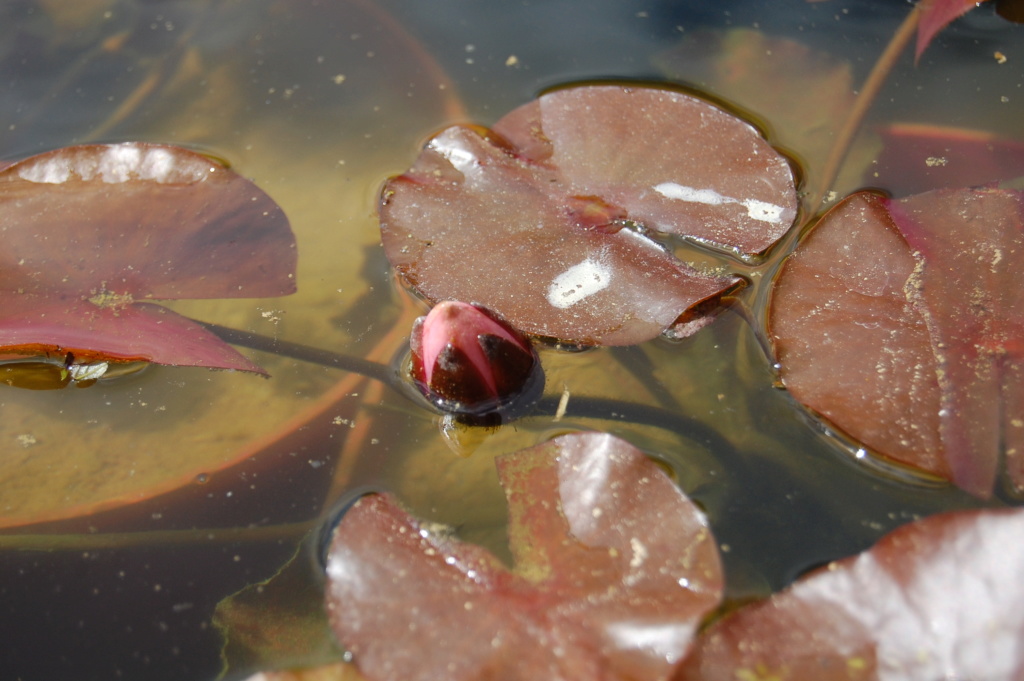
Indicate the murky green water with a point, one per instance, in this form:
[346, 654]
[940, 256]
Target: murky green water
[217, 477]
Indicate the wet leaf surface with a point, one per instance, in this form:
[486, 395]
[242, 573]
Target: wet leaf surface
[91, 232]
[936, 599]
[614, 569]
[916, 350]
[567, 191]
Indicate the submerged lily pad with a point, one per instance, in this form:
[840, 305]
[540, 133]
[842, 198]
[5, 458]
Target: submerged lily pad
[901, 322]
[919, 157]
[614, 569]
[91, 232]
[936, 599]
[547, 219]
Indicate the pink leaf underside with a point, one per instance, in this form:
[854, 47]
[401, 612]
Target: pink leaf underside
[901, 322]
[937, 599]
[147, 220]
[37, 325]
[935, 16]
[918, 158]
[529, 221]
[614, 569]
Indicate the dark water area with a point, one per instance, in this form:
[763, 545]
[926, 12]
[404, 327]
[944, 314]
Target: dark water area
[134, 507]
[132, 613]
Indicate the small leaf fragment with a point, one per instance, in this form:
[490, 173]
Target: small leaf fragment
[935, 16]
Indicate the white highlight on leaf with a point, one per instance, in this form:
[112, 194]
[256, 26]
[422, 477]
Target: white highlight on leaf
[578, 283]
[757, 210]
[88, 372]
[454, 152]
[117, 163]
[51, 172]
[639, 553]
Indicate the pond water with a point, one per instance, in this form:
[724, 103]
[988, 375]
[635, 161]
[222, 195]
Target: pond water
[133, 507]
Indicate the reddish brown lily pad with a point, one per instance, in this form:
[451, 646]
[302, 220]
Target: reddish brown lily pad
[936, 599]
[614, 569]
[91, 232]
[901, 322]
[547, 219]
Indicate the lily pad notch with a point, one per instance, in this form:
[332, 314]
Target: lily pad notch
[560, 219]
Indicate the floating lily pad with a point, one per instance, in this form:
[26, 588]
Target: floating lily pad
[935, 599]
[614, 569]
[901, 323]
[91, 232]
[548, 219]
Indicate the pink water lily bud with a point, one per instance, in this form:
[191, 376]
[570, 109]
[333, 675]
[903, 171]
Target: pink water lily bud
[466, 360]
